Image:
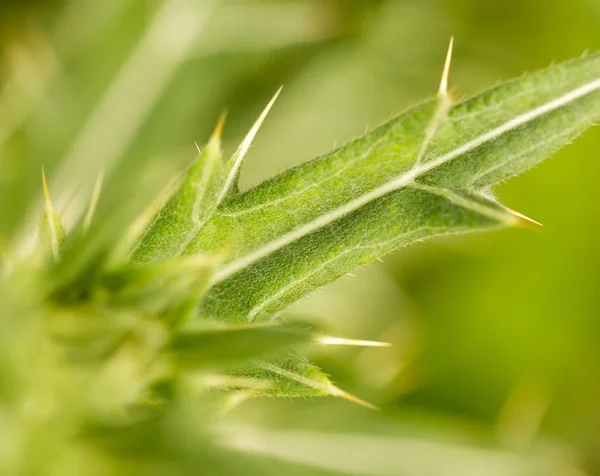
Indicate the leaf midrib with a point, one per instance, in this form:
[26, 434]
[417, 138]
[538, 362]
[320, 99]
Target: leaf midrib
[400, 182]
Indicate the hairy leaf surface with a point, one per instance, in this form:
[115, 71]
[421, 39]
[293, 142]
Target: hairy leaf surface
[202, 189]
[291, 376]
[382, 191]
[171, 285]
[190, 205]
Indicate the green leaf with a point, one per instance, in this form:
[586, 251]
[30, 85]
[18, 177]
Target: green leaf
[205, 185]
[290, 377]
[190, 205]
[385, 190]
[171, 286]
[377, 448]
[224, 345]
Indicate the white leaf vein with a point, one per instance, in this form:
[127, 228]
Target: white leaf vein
[401, 181]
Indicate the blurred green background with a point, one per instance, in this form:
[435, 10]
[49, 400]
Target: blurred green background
[495, 336]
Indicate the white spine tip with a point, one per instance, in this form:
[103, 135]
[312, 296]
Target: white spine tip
[329, 340]
[338, 392]
[443, 91]
[240, 153]
[524, 219]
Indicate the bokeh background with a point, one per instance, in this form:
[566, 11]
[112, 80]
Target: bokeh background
[495, 364]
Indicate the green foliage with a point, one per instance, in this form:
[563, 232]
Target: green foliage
[319, 221]
[192, 203]
[218, 346]
[422, 174]
[126, 337]
[426, 172]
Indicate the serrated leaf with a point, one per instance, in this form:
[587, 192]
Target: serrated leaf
[224, 345]
[290, 377]
[382, 191]
[204, 186]
[190, 205]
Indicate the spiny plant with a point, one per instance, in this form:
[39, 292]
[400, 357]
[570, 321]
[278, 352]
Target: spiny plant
[120, 342]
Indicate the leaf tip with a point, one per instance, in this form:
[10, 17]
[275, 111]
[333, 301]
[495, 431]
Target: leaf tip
[523, 221]
[443, 90]
[330, 340]
[45, 188]
[338, 392]
[242, 150]
[51, 218]
[263, 115]
[93, 200]
[220, 126]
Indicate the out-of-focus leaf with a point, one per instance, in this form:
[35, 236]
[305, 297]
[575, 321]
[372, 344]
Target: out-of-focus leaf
[234, 164]
[318, 221]
[290, 377]
[225, 345]
[375, 454]
[170, 284]
[53, 230]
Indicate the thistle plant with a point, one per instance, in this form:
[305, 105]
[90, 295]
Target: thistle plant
[176, 319]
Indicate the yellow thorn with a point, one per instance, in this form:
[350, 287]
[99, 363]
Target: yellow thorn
[245, 145]
[444, 103]
[50, 216]
[45, 186]
[338, 392]
[443, 91]
[218, 132]
[524, 221]
[329, 340]
[93, 201]
[242, 150]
